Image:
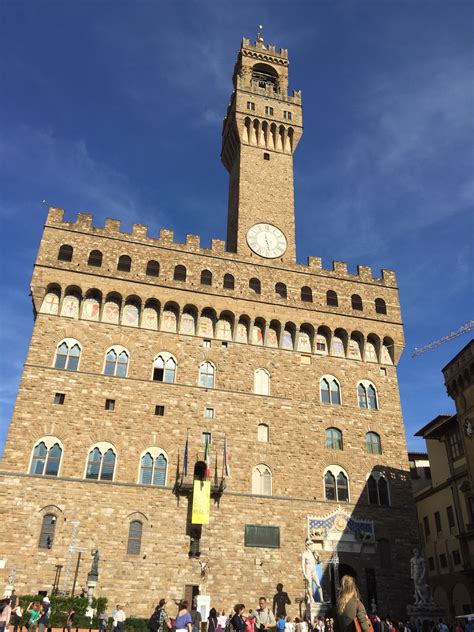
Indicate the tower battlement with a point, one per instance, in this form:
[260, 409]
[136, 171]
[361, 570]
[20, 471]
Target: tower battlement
[268, 50]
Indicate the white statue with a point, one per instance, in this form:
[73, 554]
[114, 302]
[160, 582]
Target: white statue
[418, 574]
[204, 564]
[309, 561]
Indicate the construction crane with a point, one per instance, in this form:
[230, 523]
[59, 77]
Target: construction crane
[464, 329]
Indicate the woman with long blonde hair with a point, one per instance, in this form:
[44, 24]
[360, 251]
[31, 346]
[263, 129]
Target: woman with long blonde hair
[349, 606]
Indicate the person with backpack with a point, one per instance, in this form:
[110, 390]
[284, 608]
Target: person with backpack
[159, 620]
[237, 622]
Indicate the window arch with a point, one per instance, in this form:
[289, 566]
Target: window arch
[116, 362]
[164, 368]
[95, 259]
[262, 480]
[207, 372]
[68, 354]
[101, 462]
[261, 382]
[336, 484]
[333, 439]
[306, 294]
[135, 537]
[373, 444]
[124, 263]
[263, 433]
[356, 302]
[330, 390]
[380, 306]
[65, 253]
[153, 268]
[367, 395]
[206, 277]
[46, 457]
[229, 282]
[281, 290]
[377, 489]
[153, 467]
[331, 299]
[254, 284]
[180, 273]
[50, 304]
[48, 528]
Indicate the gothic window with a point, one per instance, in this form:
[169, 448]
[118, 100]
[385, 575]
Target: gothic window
[372, 442]
[262, 480]
[65, 253]
[336, 484]
[342, 487]
[95, 259]
[101, 463]
[206, 277]
[367, 395]
[281, 291]
[153, 467]
[333, 439]
[116, 362]
[206, 375]
[68, 354]
[330, 391]
[306, 294]
[164, 368]
[377, 488]
[262, 433]
[356, 302]
[46, 457]
[179, 273]
[254, 284]
[124, 263]
[48, 527]
[380, 306]
[152, 268]
[330, 486]
[261, 383]
[134, 537]
[455, 446]
[229, 282]
[331, 298]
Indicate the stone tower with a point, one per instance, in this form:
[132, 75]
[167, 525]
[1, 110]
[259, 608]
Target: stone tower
[261, 131]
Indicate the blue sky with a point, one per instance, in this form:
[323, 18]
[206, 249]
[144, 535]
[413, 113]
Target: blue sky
[115, 108]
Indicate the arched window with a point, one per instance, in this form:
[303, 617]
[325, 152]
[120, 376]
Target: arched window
[377, 488]
[306, 294]
[330, 391]
[46, 457]
[380, 306]
[134, 537]
[179, 273]
[336, 484]
[372, 442]
[356, 302]
[68, 354]
[261, 382]
[262, 480]
[116, 362]
[206, 277]
[65, 253]
[367, 395]
[281, 291]
[372, 489]
[152, 268]
[153, 466]
[101, 463]
[254, 284]
[229, 282]
[48, 527]
[331, 298]
[124, 263]
[262, 433]
[333, 439]
[95, 259]
[206, 375]
[164, 368]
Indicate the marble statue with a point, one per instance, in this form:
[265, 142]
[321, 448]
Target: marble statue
[204, 565]
[418, 573]
[310, 565]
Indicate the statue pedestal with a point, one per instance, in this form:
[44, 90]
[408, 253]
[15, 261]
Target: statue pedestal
[8, 590]
[316, 610]
[203, 605]
[418, 614]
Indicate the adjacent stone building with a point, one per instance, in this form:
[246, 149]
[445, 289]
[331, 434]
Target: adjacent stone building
[140, 342]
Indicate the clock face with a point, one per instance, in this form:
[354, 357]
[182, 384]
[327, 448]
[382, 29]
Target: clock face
[266, 240]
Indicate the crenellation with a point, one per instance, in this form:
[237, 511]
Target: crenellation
[84, 220]
[140, 231]
[218, 246]
[193, 242]
[340, 267]
[315, 263]
[166, 236]
[365, 272]
[389, 278]
[55, 216]
[112, 226]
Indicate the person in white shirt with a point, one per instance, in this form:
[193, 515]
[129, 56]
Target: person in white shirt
[119, 619]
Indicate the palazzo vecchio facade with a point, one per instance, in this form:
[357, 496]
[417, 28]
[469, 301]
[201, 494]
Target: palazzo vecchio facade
[139, 341]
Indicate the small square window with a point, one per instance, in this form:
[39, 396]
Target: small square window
[250, 105]
[59, 398]
[209, 413]
[266, 155]
[456, 558]
[207, 436]
[110, 404]
[159, 410]
[383, 371]
[225, 344]
[268, 110]
[206, 344]
[287, 115]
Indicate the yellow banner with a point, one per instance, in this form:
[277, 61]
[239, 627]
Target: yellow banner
[201, 502]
